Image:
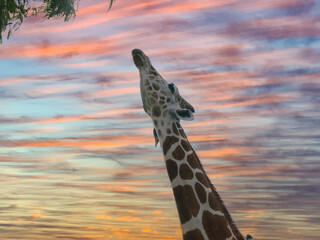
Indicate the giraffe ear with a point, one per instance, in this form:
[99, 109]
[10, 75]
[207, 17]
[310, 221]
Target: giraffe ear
[156, 139]
[184, 114]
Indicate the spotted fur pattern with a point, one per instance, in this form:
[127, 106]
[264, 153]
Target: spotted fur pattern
[202, 213]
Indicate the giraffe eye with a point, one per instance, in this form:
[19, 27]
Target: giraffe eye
[171, 87]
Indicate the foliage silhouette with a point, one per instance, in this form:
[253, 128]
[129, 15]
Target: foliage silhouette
[13, 12]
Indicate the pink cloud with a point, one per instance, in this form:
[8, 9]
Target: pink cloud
[274, 28]
[116, 92]
[273, 4]
[85, 143]
[62, 50]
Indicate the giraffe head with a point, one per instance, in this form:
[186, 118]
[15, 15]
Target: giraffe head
[161, 101]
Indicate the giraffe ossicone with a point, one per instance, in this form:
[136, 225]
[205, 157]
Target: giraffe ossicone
[202, 213]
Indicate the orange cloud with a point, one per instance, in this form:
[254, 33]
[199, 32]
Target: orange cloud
[267, 171]
[93, 236]
[35, 216]
[224, 152]
[189, 5]
[95, 47]
[92, 228]
[157, 212]
[254, 213]
[88, 64]
[128, 218]
[91, 116]
[110, 142]
[93, 9]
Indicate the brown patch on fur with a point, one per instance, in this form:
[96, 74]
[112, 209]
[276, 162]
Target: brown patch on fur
[155, 122]
[181, 130]
[155, 86]
[193, 235]
[168, 100]
[178, 153]
[168, 142]
[191, 200]
[156, 112]
[168, 131]
[215, 226]
[165, 113]
[185, 172]
[179, 196]
[149, 88]
[192, 160]
[172, 169]
[162, 102]
[201, 193]
[187, 203]
[174, 129]
[185, 145]
[162, 98]
[155, 95]
[214, 202]
[202, 179]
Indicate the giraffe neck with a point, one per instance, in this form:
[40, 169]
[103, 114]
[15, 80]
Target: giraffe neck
[203, 216]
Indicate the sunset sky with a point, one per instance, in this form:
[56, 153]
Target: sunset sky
[77, 155]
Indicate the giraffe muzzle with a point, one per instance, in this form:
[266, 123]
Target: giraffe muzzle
[137, 55]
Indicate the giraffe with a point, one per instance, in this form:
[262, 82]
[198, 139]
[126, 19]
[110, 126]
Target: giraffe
[202, 213]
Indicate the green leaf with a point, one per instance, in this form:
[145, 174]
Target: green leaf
[111, 2]
[20, 17]
[16, 26]
[9, 33]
